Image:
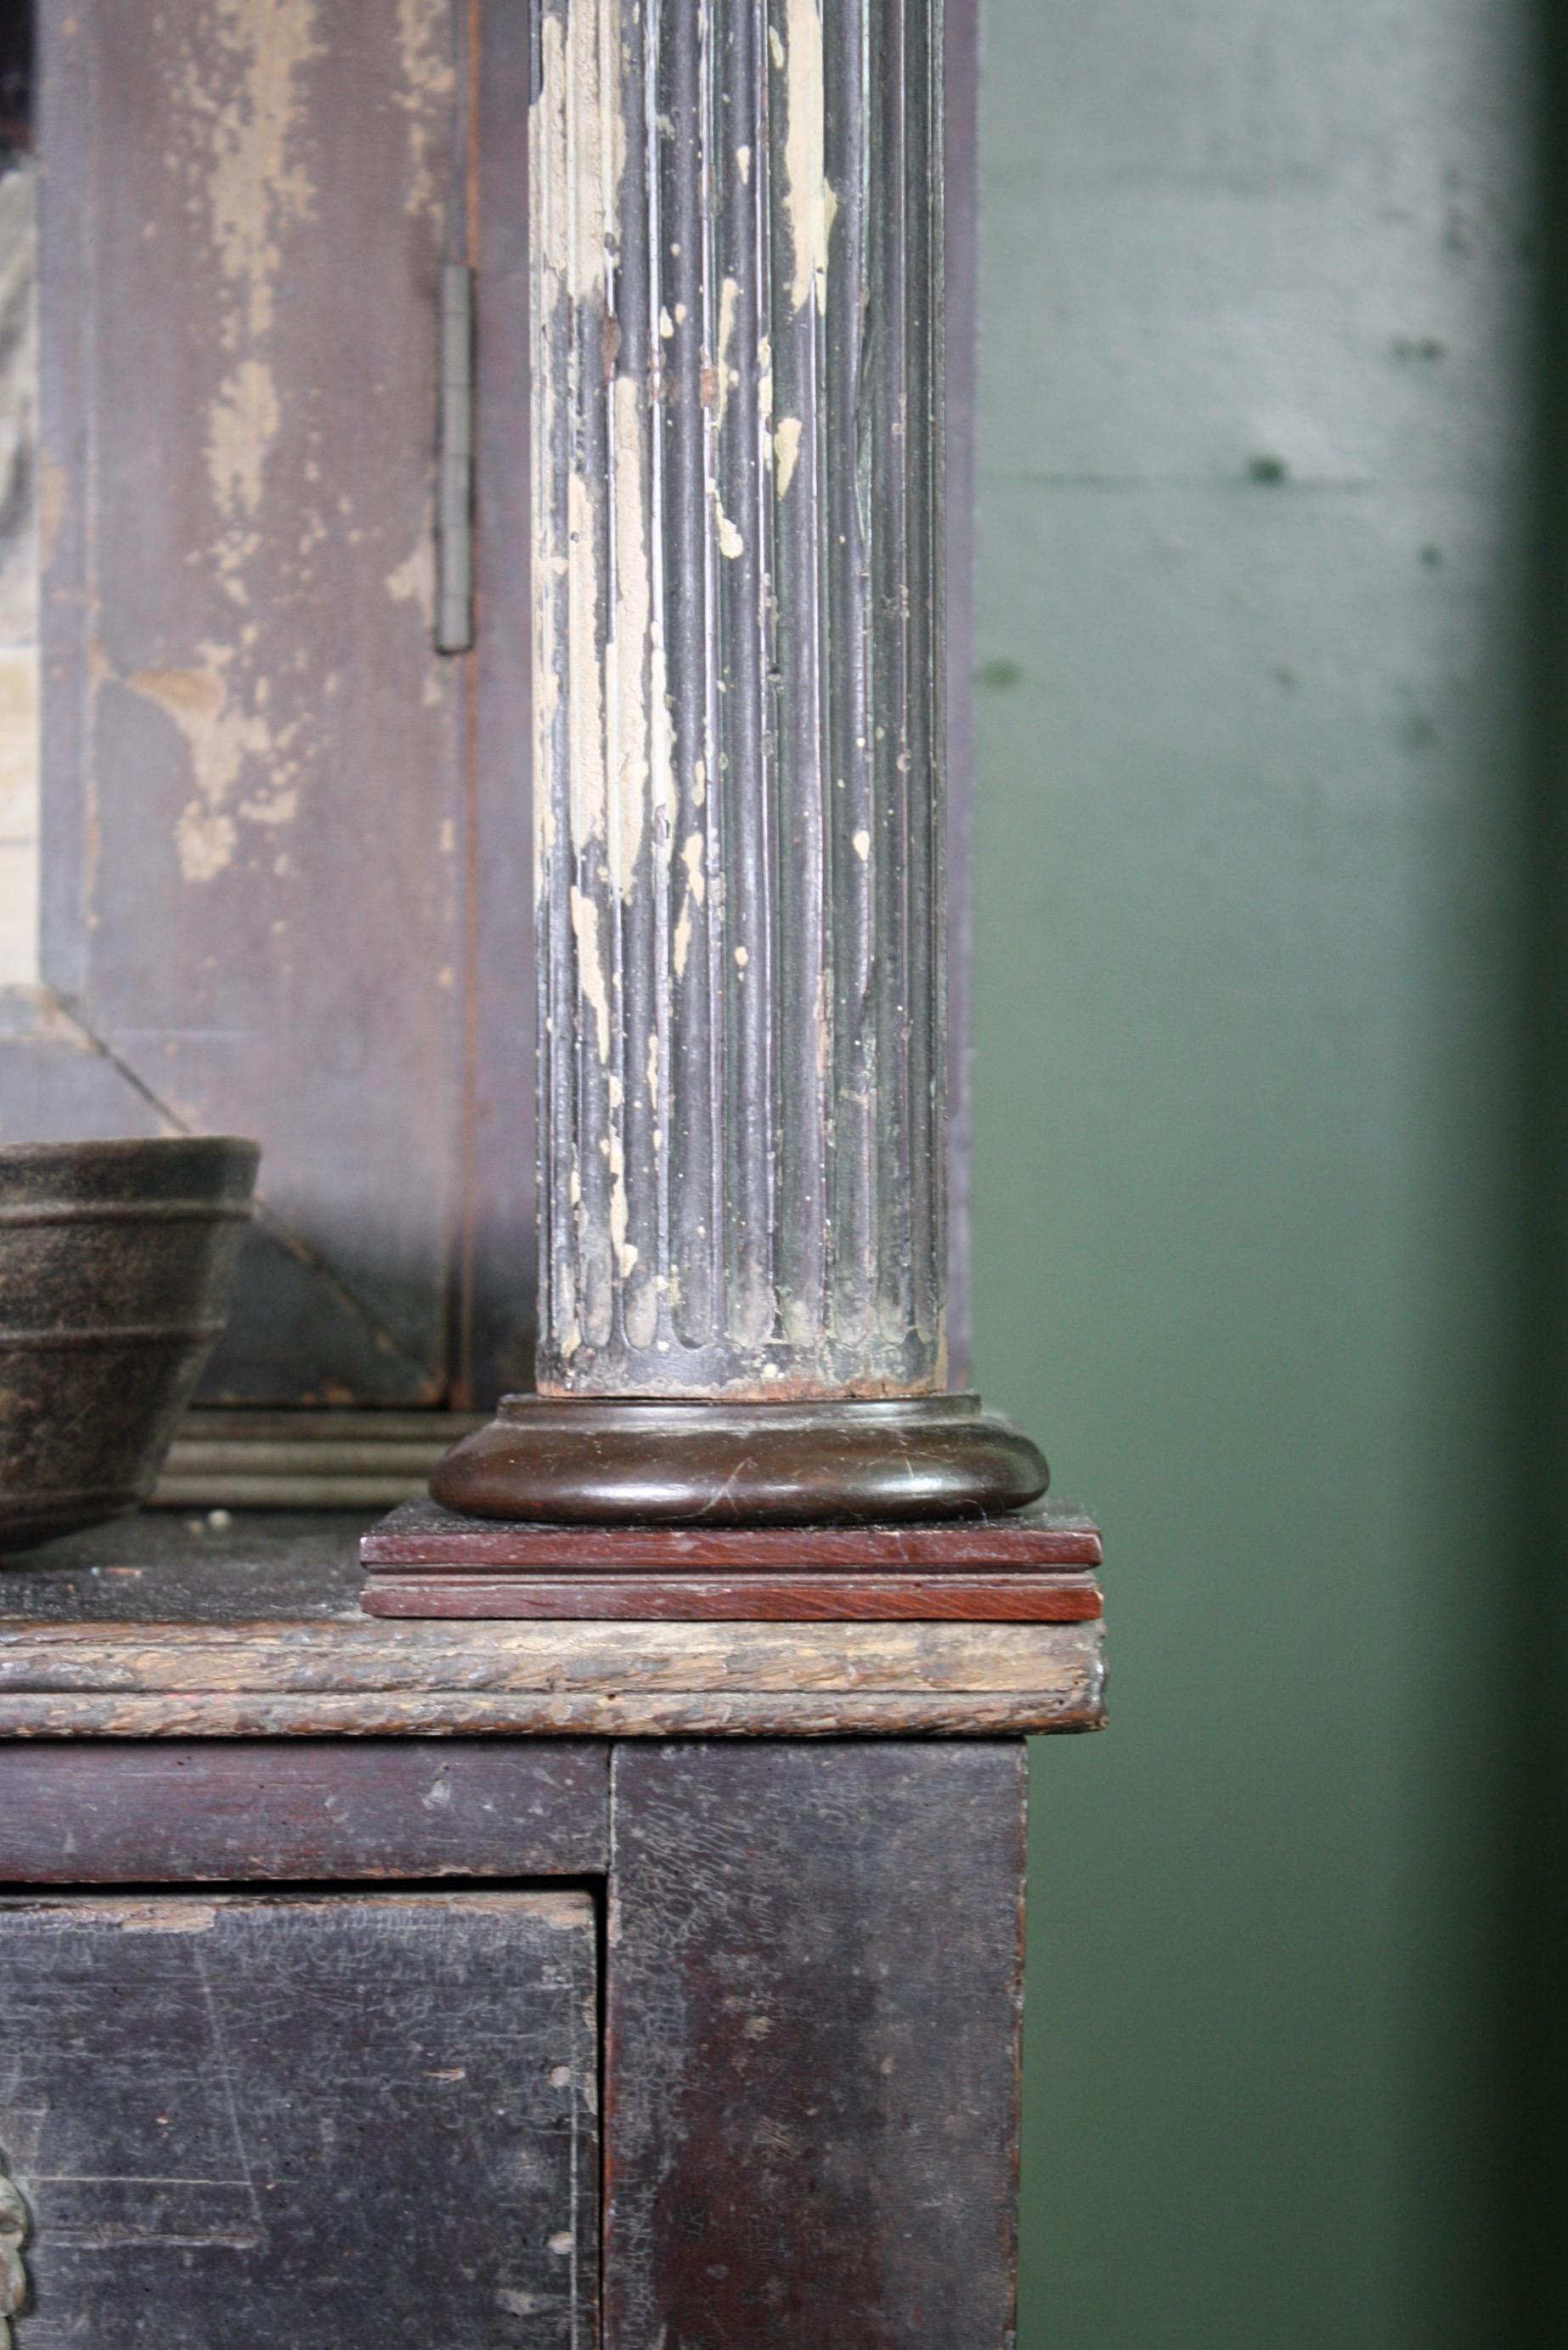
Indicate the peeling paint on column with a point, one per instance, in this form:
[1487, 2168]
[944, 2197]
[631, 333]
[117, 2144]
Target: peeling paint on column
[736, 238]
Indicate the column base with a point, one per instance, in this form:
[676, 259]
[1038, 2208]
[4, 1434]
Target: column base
[616, 1461]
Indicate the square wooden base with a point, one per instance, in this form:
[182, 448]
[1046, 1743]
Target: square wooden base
[1034, 1567]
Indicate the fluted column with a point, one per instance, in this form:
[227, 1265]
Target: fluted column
[737, 438]
[738, 369]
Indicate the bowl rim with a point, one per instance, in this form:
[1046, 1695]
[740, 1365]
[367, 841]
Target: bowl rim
[126, 1145]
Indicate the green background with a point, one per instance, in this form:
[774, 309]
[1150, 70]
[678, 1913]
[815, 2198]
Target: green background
[1259, 749]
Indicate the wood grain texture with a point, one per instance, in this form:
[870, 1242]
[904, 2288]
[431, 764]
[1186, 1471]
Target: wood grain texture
[739, 669]
[235, 1810]
[1070, 1699]
[423, 1534]
[240, 682]
[813, 1992]
[754, 1598]
[302, 2120]
[337, 1658]
[162, 1568]
[162, 1627]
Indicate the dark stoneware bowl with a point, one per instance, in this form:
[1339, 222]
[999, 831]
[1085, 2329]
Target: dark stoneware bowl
[115, 1264]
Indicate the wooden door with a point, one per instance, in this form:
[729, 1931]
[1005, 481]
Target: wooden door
[284, 836]
[326, 2121]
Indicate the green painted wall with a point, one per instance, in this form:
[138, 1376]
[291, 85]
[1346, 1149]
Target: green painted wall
[1254, 435]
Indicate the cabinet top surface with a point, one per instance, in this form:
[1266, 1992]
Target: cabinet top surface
[169, 1626]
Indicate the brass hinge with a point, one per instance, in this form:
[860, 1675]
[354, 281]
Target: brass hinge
[454, 488]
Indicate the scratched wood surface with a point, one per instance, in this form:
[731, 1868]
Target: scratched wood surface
[753, 1597]
[333, 2122]
[422, 1534]
[813, 2001]
[165, 1627]
[260, 781]
[233, 1809]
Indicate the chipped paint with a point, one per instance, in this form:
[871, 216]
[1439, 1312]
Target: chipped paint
[161, 1916]
[429, 80]
[242, 425]
[413, 581]
[585, 668]
[726, 1133]
[591, 974]
[786, 451]
[731, 543]
[255, 183]
[627, 652]
[806, 203]
[220, 738]
[729, 375]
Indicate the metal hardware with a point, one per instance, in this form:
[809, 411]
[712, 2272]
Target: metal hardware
[454, 491]
[13, 2273]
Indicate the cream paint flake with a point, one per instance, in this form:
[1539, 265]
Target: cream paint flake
[429, 80]
[584, 674]
[809, 204]
[592, 976]
[728, 376]
[786, 451]
[630, 762]
[242, 425]
[252, 187]
[220, 738]
[413, 581]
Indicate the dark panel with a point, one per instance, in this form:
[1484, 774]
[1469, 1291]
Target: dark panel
[231, 1810]
[252, 755]
[330, 2123]
[813, 1986]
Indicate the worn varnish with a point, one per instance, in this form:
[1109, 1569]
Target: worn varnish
[234, 1809]
[754, 1597]
[160, 1628]
[422, 1534]
[242, 689]
[739, 710]
[814, 1994]
[328, 2122]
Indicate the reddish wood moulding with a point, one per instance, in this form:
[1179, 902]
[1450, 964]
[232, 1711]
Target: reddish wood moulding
[705, 1598]
[423, 1534]
[1032, 1567]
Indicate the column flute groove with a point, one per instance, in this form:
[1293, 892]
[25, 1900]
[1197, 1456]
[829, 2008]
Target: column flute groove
[737, 243]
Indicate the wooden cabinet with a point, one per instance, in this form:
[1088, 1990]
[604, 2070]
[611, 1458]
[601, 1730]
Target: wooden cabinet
[304, 2036]
[321, 2119]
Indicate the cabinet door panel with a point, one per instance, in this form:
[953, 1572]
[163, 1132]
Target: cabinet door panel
[328, 2122]
[264, 803]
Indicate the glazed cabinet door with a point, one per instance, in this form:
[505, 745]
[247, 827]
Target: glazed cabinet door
[329, 2121]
